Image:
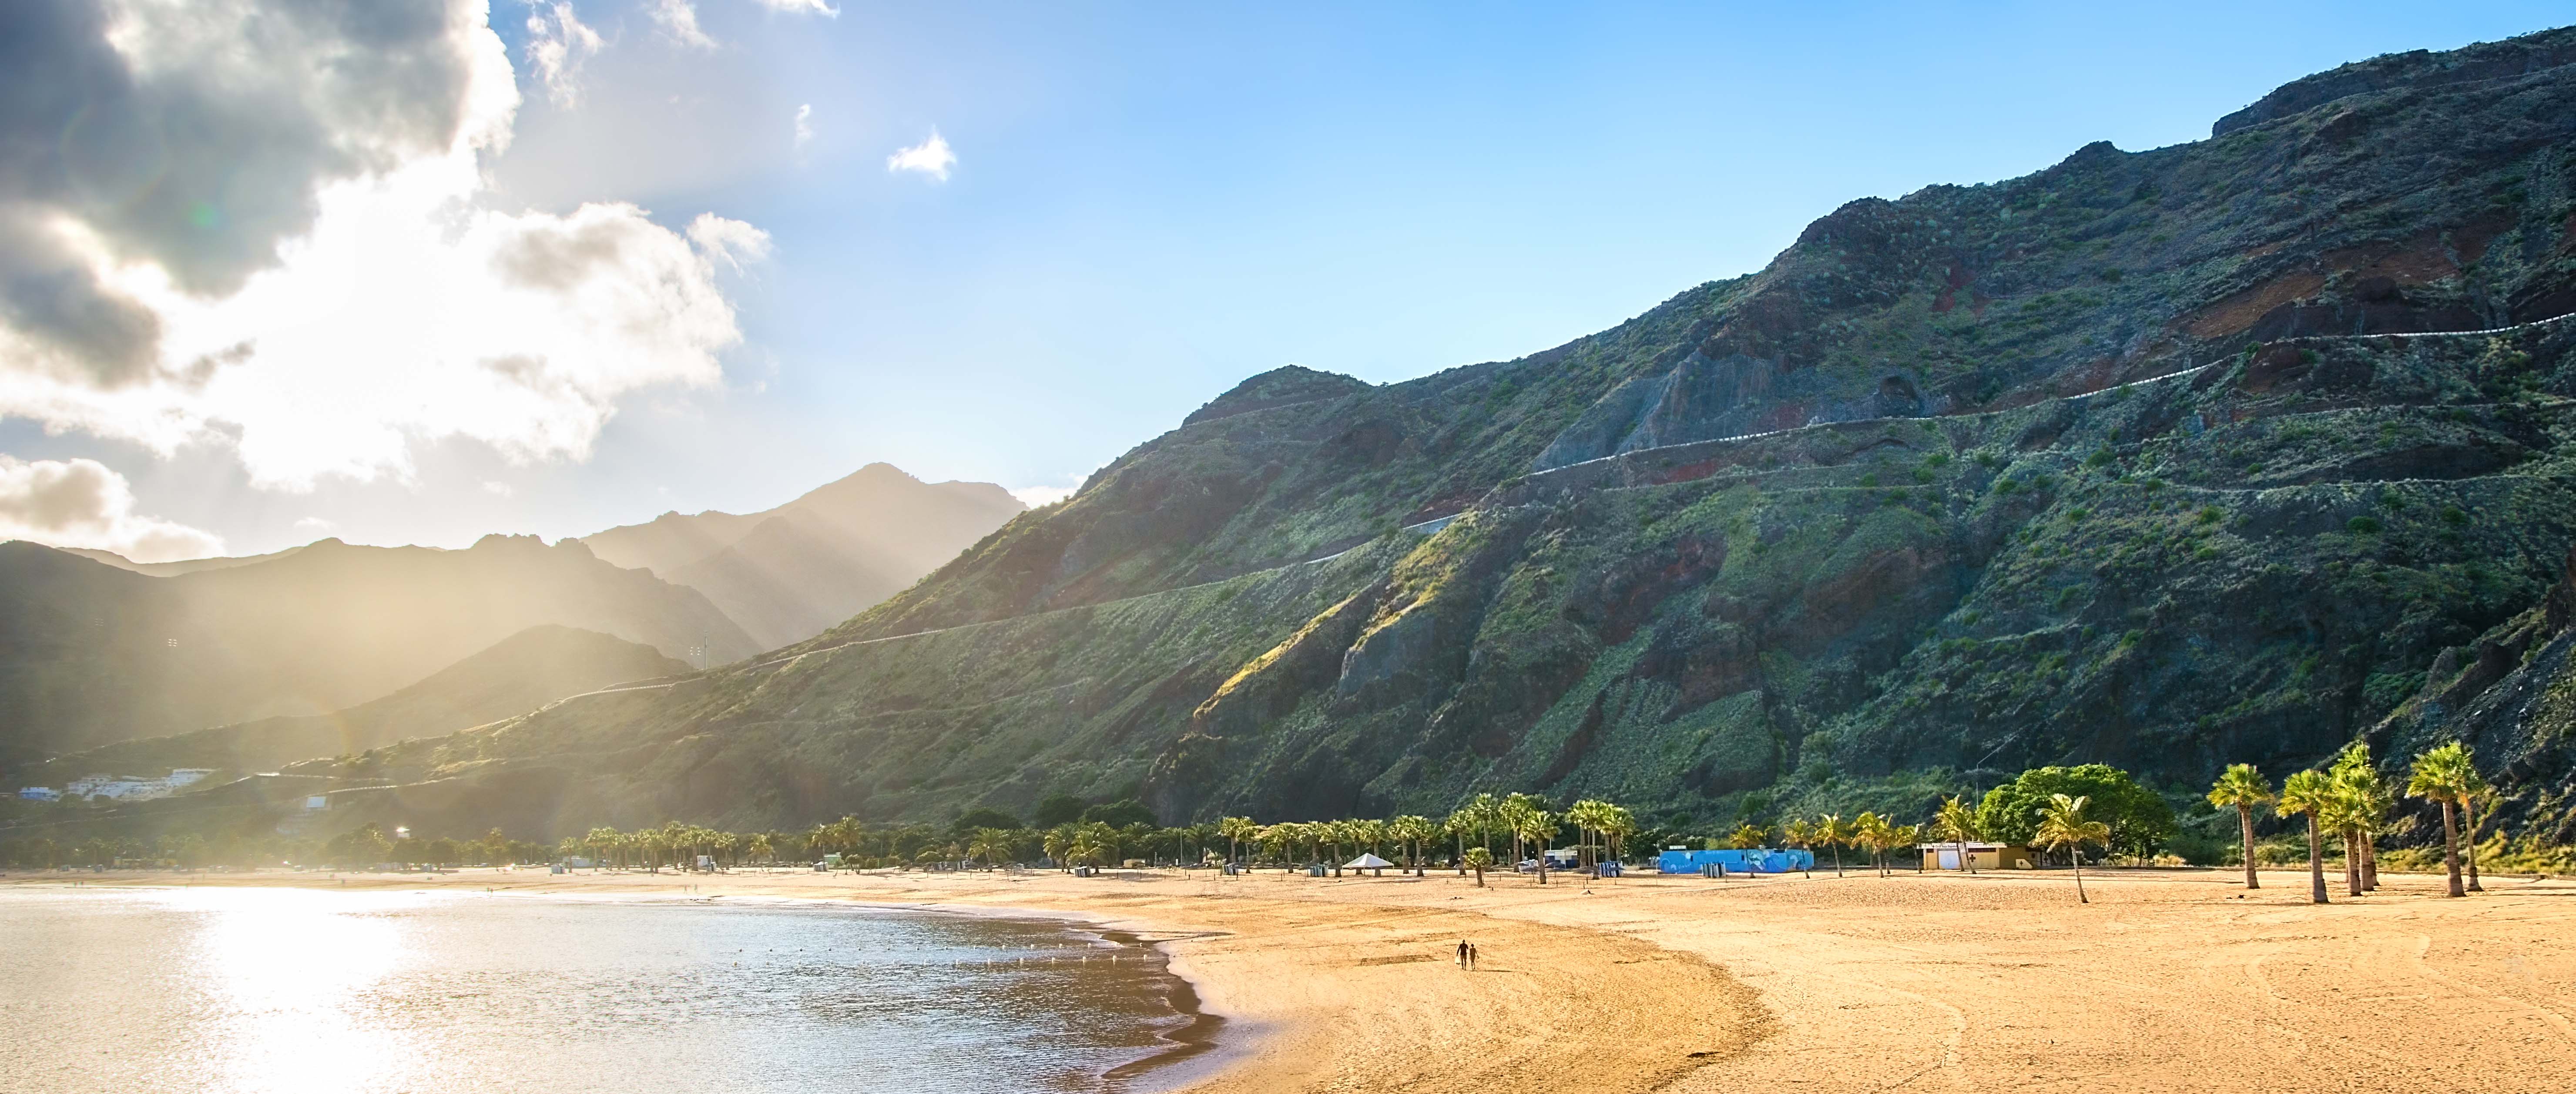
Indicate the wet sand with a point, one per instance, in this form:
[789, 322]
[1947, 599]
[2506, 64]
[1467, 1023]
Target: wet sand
[2169, 980]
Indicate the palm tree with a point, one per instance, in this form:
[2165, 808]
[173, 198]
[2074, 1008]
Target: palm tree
[1616, 825]
[763, 850]
[2366, 803]
[1410, 831]
[1059, 842]
[1873, 832]
[1581, 815]
[2063, 823]
[1801, 834]
[2244, 788]
[1747, 836]
[1237, 831]
[2311, 793]
[1538, 826]
[2479, 793]
[1956, 821]
[1477, 859]
[1833, 832]
[989, 844]
[1508, 815]
[2442, 774]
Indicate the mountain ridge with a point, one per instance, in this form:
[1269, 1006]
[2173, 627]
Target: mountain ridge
[2170, 458]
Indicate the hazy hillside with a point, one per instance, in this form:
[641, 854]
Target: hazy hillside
[517, 675]
[787, 573]
[173, 569]
[2152, 458]
[91, 654]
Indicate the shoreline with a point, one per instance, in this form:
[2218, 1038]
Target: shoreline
[2169, 980]
[1280, 988]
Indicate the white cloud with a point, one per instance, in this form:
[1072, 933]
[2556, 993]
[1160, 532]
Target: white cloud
[498, 489]
[801, 7]
[804, 125]
[679, 20]
[315, 524]
[932, 157]
[1035, 496]
[557, 49]
[84, 503]
[370, 305]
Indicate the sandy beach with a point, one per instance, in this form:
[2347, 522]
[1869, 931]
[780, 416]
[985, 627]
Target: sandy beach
[2169, 980]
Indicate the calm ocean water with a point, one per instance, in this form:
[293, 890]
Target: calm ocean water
[298, 990]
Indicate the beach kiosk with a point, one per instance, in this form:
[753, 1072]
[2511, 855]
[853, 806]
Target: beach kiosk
[1980, 856]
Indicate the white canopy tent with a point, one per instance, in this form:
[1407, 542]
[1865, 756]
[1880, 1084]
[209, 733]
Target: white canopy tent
[1367, 862]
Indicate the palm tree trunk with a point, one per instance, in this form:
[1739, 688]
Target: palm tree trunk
[2245, 825]
[2080, 898]
[2470, 803]
[2451, 847]
[2352, 862]
[1838, 860]
[2316, 862]
[2370, 861]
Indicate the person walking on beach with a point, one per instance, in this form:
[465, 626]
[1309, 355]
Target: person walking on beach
[1462, 953]
[1471, 957]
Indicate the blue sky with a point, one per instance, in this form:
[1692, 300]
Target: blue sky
[1149, 202]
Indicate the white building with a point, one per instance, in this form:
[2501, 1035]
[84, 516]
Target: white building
[40, 794]
[130, 788]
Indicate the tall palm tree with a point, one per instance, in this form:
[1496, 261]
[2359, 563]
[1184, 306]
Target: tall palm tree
[2063, 823]
[1616, 825]
[1537, 826]
[2244, 788]
[1834, 832]
[1237, 831]
[1747, 836]
[763, 850]
[1801, 834]
[2479, 794]
[2442, 774]
[1582, 816]
[2367, 801]
[1410, 832]
[1956, 821]
[2313, 794]
[1059, 842]
[1873, 832]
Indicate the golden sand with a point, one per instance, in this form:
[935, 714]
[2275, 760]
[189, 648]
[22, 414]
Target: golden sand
[2169, 980]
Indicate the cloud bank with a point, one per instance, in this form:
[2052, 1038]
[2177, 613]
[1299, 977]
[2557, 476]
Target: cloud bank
[83, 503]
[256, 224]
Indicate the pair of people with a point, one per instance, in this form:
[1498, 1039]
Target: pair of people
[1466, 955]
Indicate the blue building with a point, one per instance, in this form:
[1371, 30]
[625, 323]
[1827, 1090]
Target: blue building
[1758, 860]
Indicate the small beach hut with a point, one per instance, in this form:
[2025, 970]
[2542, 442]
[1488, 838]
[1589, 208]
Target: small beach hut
[1981, 856]
[1368, 862]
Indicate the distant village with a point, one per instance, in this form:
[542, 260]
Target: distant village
[118, 787]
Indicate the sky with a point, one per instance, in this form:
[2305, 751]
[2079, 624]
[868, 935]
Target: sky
[274, 270]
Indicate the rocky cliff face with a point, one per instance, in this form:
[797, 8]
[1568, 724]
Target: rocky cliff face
[2167, 459]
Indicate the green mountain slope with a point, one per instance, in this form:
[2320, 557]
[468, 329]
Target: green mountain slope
[516, 675]
[2156, 458]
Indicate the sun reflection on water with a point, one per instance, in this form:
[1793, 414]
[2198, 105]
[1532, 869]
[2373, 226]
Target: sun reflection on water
[283, 991]
[292, 975]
